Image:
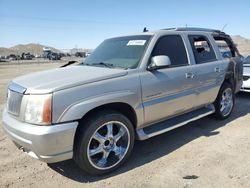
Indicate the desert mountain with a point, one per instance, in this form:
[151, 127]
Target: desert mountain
[243, 44]
[6, 51]
[32, 48]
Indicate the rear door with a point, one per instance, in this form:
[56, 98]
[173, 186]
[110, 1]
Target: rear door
[209, 69]
[230, 53]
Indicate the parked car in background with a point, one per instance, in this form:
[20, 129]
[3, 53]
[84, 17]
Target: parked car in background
[2, 58]
[131, 87]
[12, 57]
[62, 54]
[54, 56]
[246, 75]
[27, 56]
[87, 54]
[80, 54]
[246, 60]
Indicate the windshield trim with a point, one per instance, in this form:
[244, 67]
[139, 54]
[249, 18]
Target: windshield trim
[144, 52]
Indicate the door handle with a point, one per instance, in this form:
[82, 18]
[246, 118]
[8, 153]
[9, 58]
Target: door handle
[189, 75]
[217, 69]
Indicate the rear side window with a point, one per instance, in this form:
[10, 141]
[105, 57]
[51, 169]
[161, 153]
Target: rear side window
[173, 47]
[225, 46]
[202, 49]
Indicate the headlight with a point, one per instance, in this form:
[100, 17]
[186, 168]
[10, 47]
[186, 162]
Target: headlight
[38, 109]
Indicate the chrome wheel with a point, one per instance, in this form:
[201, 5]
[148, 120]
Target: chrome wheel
[226, 103]
[108, 145]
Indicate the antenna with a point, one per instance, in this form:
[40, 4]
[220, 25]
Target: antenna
[145, 29]
[224, 27]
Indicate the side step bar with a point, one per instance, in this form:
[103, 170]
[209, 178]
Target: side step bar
[178, 121]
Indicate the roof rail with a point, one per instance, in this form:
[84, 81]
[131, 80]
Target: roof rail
[195, 29]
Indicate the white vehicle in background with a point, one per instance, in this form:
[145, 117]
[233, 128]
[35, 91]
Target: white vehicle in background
[87, 54]
[246, 75]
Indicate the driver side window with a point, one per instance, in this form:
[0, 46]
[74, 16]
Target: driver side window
[173, 47]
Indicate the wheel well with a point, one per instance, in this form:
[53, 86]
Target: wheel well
[123, 108]
[230, 81]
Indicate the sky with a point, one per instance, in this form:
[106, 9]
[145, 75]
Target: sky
[66, 24]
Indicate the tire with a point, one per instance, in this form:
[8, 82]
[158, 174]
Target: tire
[103, 142]
[224, 102]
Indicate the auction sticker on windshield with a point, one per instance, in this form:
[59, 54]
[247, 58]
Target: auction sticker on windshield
[136, 43]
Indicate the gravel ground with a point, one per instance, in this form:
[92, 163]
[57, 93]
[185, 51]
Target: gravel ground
[205, 153]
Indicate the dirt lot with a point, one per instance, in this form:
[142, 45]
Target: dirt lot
[205, 153]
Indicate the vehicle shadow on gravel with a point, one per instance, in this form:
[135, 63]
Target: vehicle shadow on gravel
[156, 147]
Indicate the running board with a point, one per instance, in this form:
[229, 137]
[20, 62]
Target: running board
[178, 121]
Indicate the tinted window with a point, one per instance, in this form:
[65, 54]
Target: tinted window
[173, 47]
[203, 51]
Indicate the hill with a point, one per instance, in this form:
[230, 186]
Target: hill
[243, 44]
[36, 49]
[32, 48]
[6, 51]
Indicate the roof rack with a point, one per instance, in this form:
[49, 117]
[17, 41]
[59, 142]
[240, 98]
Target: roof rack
[195, 29]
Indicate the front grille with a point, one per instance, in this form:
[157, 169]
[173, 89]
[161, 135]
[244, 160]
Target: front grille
[245, 78]
[245, 89]
[14, 102]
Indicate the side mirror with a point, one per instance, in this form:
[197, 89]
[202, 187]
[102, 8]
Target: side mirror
[159, 62]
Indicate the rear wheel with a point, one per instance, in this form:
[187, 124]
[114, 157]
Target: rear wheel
[225, 101]
[104, 143]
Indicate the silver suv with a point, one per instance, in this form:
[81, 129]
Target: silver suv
[131, 87]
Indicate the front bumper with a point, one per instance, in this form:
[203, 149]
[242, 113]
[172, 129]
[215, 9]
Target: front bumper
[46, 143]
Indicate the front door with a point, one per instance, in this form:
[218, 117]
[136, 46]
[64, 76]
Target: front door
[169, 91]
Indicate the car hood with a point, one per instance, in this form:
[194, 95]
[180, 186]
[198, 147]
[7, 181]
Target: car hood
[63, 78]
[246, 70]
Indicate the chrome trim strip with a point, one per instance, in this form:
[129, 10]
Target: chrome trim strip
[244, 89]
[156, 99]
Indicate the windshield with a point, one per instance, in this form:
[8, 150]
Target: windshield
[122, 52]
[247, 60]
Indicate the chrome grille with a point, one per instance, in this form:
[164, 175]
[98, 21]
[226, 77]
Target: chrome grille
[14, 100]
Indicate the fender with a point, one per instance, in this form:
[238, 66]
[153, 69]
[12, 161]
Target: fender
[77, 110]
[234, 73]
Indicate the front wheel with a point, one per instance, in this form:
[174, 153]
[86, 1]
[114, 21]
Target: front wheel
[104, 142]
[225, 101]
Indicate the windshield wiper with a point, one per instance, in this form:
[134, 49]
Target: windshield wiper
[109, 65]
[69, 63]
